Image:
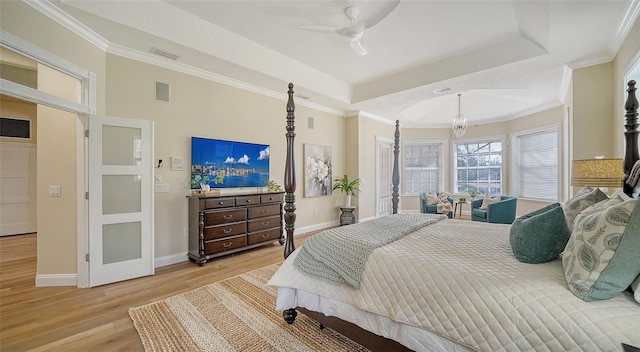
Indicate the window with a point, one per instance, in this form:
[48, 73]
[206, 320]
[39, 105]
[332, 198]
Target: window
[478, 166]
[422, 167]
[535, 164]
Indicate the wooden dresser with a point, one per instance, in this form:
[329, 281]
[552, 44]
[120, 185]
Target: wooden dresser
[225, 224]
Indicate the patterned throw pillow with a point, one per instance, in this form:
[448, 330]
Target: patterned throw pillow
[601, 258]
[618, 197]
[539, 236]
[489, 200]
[585, 198]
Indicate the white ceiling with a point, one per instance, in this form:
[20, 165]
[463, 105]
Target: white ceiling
[507, 58]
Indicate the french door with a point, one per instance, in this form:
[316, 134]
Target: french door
[384, 169]
[120, 199]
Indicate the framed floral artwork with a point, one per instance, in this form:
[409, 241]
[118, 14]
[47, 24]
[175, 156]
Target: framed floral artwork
[317, 170]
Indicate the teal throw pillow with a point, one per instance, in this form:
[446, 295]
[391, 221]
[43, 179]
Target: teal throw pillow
[539, 236]
[601, 258]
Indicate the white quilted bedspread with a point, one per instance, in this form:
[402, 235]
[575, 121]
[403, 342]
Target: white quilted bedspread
[459, 280]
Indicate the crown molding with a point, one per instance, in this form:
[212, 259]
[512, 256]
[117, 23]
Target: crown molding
[630, 17]
[56, 14]
[53, 12]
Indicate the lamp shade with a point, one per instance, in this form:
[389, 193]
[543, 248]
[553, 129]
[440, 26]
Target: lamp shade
[597, 172]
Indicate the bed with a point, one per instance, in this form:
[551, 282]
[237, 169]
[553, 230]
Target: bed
[426, 284]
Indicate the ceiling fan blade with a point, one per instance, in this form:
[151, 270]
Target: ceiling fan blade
[354, 32]
[389, 6]
[320, 29]
[358, 47]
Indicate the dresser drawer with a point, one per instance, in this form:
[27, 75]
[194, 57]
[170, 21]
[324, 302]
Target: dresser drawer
[214, 203]
[247, 200]
[264, 223]
[263, 236]
[225, 244]
[224, 216]
[271, 198]
[265, 210]
[225, 230]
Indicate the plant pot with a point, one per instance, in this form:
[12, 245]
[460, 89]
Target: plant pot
[347, 201]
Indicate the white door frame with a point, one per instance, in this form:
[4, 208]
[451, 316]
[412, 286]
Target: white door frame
[88, 106]
[379, 141]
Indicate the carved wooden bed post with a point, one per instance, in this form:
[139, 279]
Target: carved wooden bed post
[630, 135]
[289, 315]
[290, 177]
[395, 179]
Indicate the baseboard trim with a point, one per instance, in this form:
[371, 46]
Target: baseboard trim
[170, 259]
[316, 227]
[47, 280]
[182, 257]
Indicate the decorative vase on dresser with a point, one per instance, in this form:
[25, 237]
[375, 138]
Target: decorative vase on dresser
[230, 223]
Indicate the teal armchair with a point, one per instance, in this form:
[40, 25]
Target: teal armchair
[501, 212]
[432, 208]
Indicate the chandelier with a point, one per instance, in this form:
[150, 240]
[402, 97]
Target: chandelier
[459, 123]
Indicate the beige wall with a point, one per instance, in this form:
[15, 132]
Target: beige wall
[593, 111]
[202, 108]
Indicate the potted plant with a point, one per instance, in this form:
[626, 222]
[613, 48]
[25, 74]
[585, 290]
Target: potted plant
[348, 187]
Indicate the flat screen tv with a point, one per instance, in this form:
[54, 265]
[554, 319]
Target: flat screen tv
[228, 164]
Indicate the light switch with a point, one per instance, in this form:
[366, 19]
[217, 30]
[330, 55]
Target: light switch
[158, 178]
[162, 187]
[54, 191]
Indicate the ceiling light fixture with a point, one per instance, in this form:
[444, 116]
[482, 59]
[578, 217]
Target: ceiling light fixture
[459, 123]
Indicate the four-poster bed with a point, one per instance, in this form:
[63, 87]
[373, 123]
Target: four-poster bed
[452, 285]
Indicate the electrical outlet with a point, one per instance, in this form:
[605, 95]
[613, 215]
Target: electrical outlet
[54, 191]
[162, 187]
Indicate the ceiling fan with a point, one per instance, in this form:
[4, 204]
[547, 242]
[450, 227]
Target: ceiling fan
[356, 30]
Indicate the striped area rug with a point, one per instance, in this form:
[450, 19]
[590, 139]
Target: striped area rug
[236, 314]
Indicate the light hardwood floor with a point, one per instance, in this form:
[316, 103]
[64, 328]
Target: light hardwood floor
[96, 319]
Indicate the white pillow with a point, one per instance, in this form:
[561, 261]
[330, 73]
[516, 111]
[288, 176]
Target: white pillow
[432, 198]
[489, 200]
[635, 287]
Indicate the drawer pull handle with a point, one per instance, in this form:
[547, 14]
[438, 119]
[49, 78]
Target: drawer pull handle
[226, 230]
[248, 200]
[270, 198]
[265, 224]
[265, 211]
[221, 203]
[226, 245]
[266, 235]
[227, 217]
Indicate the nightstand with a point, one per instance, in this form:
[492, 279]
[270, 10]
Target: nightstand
[346, 215]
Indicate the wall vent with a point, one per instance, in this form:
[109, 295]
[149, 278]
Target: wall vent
[164, 54]
[302, 96]
[15, 128]
[162, 91]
